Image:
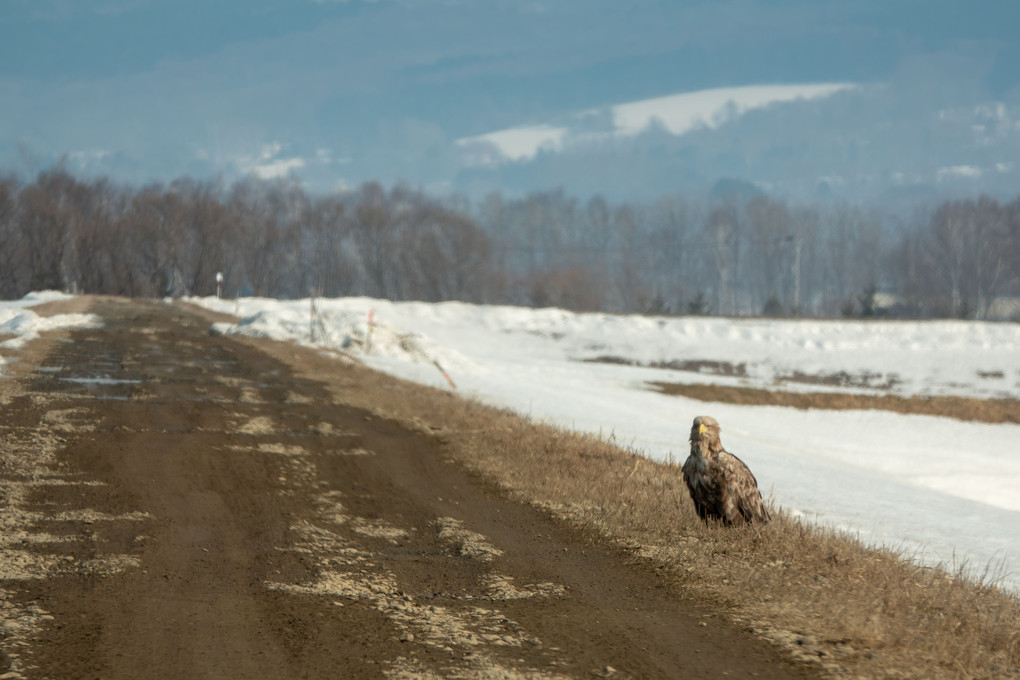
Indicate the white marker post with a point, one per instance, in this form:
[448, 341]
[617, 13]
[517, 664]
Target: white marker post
[219, 284]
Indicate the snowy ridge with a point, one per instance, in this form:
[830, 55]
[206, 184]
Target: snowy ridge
[941, 488]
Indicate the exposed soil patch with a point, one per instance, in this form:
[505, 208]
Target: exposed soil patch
[72, 305]
[210, 510]
[706, 366]
[865, 380]
[961, 408]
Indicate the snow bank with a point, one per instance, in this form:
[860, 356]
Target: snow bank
[25, 325]
[34, 299]
[337, 327]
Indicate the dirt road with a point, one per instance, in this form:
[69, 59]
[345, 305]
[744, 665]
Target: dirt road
[179, 505]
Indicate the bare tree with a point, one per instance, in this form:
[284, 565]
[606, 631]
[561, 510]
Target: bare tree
[674, 255]
[724, 233]
[11, 240]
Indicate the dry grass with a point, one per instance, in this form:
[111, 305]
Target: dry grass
[961, 408]
[854, 610]
[75, 305]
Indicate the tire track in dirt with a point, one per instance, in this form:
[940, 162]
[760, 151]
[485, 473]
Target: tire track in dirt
[218, 517]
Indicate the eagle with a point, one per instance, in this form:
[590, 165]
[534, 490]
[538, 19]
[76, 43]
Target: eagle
[721, 485]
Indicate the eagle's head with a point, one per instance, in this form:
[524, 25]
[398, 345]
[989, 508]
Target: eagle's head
[706, 430]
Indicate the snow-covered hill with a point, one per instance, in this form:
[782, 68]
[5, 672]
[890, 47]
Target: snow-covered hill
[678, 114]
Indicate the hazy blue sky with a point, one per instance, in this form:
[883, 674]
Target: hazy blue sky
[362, 90]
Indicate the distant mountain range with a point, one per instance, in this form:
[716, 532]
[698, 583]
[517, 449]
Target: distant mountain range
[835, 141]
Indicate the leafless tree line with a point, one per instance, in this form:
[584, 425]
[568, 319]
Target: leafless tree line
[674, 256]
[266, 238]
[758, 256]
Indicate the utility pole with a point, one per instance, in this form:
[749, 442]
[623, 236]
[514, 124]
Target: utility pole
[796, 275]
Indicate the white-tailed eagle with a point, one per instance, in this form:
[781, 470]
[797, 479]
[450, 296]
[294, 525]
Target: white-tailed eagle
[721, 485]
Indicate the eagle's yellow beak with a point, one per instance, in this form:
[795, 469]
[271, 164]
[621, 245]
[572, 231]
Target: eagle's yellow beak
[701, 428]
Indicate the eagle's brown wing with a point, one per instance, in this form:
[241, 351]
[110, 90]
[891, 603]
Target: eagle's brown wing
[742, 500]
